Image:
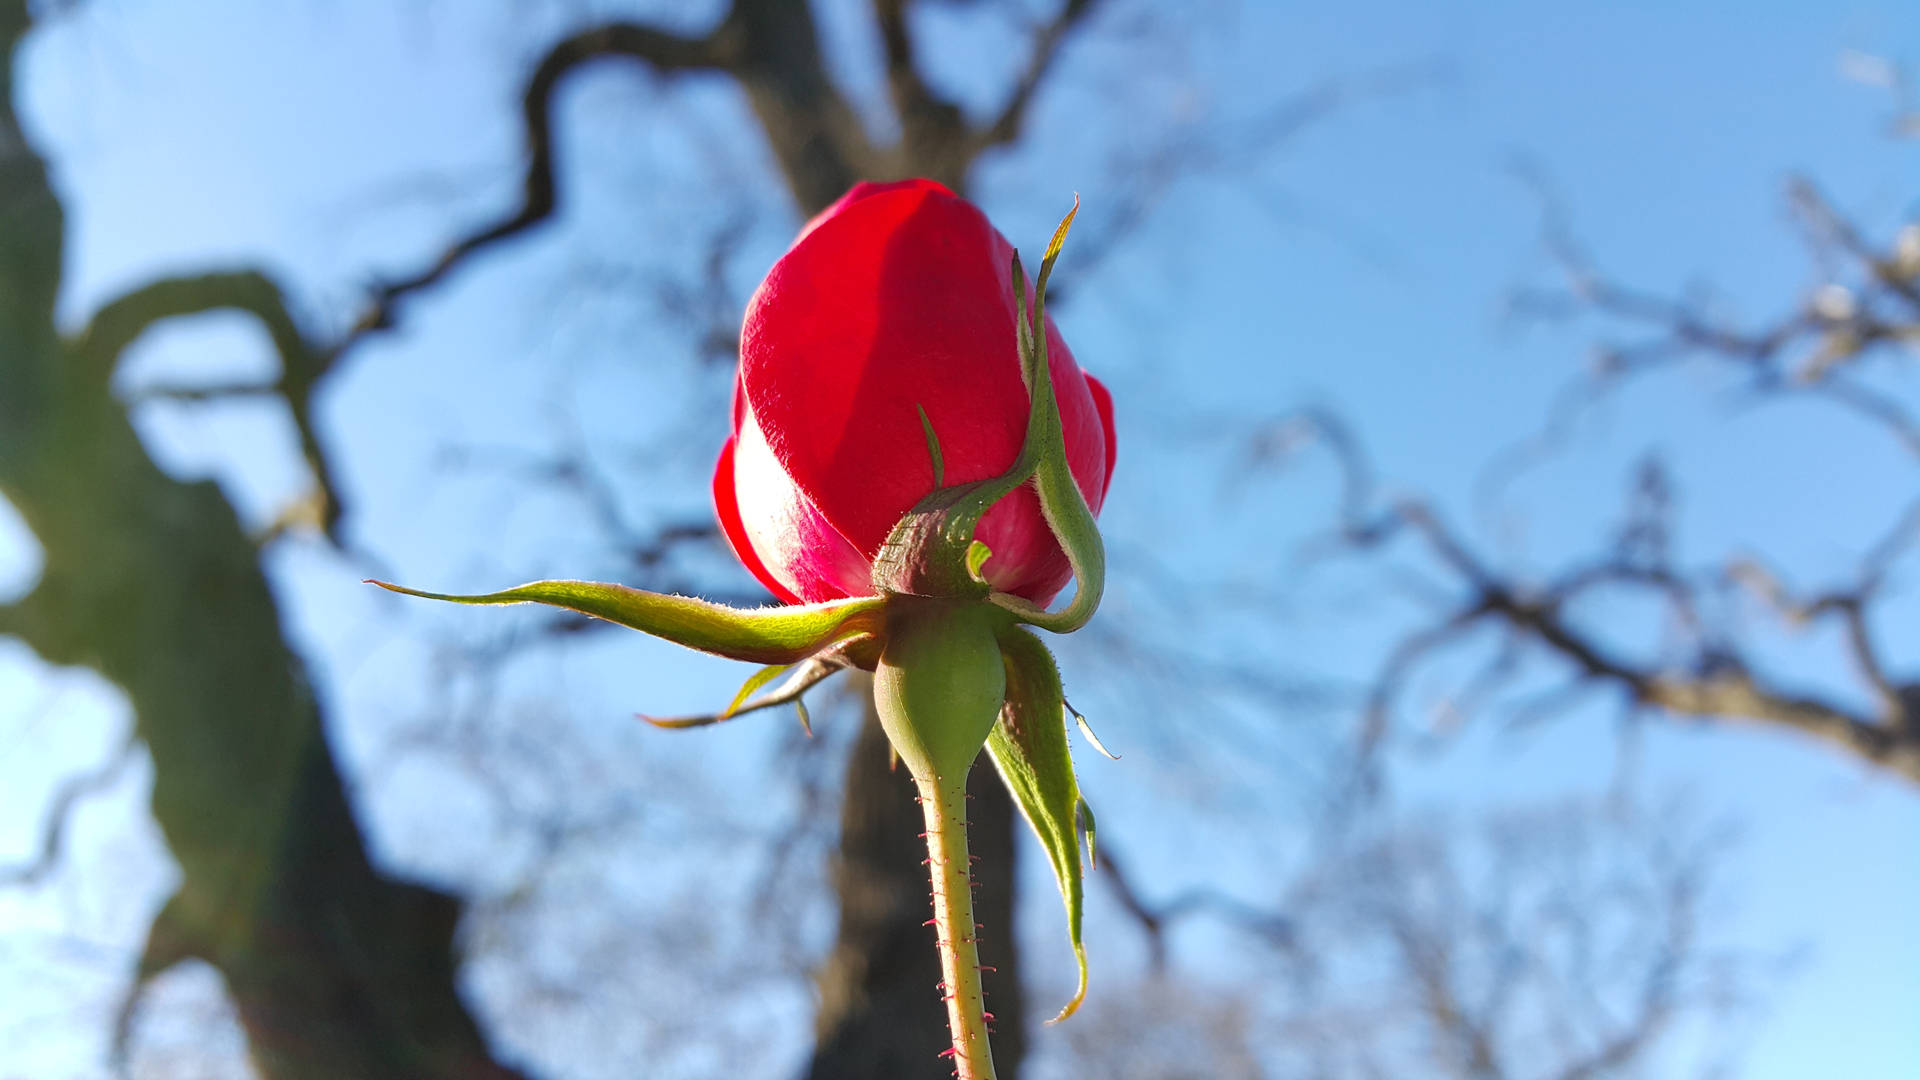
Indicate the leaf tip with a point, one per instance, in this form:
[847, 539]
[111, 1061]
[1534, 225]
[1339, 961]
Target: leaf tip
[1060, 232]
[1080, 991]
[1086, 730]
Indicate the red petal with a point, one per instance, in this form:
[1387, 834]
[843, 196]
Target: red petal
[795, 541]
[865, 189]
[1103, 402]
[901, 297]
[727, 508]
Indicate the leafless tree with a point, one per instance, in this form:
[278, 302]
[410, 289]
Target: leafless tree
[336, 969]
[1850, 345]
[1558, 941]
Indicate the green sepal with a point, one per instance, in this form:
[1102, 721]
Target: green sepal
[754, 682]
[1029, 748]
[1086, 732]
[799, 679]
[977, 556]
[933, 448]
[1061, 503]
[1084, 815]
[930, 553]
[779, 635]
[925, 554]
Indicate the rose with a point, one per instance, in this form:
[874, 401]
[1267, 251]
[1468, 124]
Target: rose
[916, 455]
[892, 305]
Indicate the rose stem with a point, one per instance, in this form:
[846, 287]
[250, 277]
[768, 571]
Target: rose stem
[943, 802]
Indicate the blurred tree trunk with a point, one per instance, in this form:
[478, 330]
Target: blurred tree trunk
[335, 970]
[881, 1016]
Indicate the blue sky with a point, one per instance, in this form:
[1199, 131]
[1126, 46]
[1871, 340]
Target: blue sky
[1360, 266]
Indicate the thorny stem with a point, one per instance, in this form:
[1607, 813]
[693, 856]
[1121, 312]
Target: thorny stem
[943, 802]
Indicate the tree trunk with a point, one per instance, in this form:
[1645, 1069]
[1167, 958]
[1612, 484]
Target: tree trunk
[335, 970]
[881, 1015]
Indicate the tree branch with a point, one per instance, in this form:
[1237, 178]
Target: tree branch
[66, 800]
[116, 326]
[1011, 122]
[1869, 308]
[1155, 919]
[930, 124]
[1710, 680]
[664, 52]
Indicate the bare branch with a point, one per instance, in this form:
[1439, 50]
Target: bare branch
[1712, 681]
[932, 127]
[302, 362]
[66, 800]
[1869, 309]
[1011, 121]
[1155, 919]
[663, 52]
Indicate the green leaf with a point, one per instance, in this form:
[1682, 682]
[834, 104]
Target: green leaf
[779, 635]
[1029, 748]
[800, 678]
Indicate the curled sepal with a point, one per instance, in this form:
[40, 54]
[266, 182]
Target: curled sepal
[1061, 502]
[930, 551]
[782, 635]
[1029, 748]
[799, 679]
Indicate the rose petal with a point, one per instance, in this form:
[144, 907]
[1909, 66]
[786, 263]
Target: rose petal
[900, 298]
[796, 544]
[727, 508]
[1103, 402]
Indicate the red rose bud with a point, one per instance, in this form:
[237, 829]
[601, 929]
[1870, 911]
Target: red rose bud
[896, 299]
